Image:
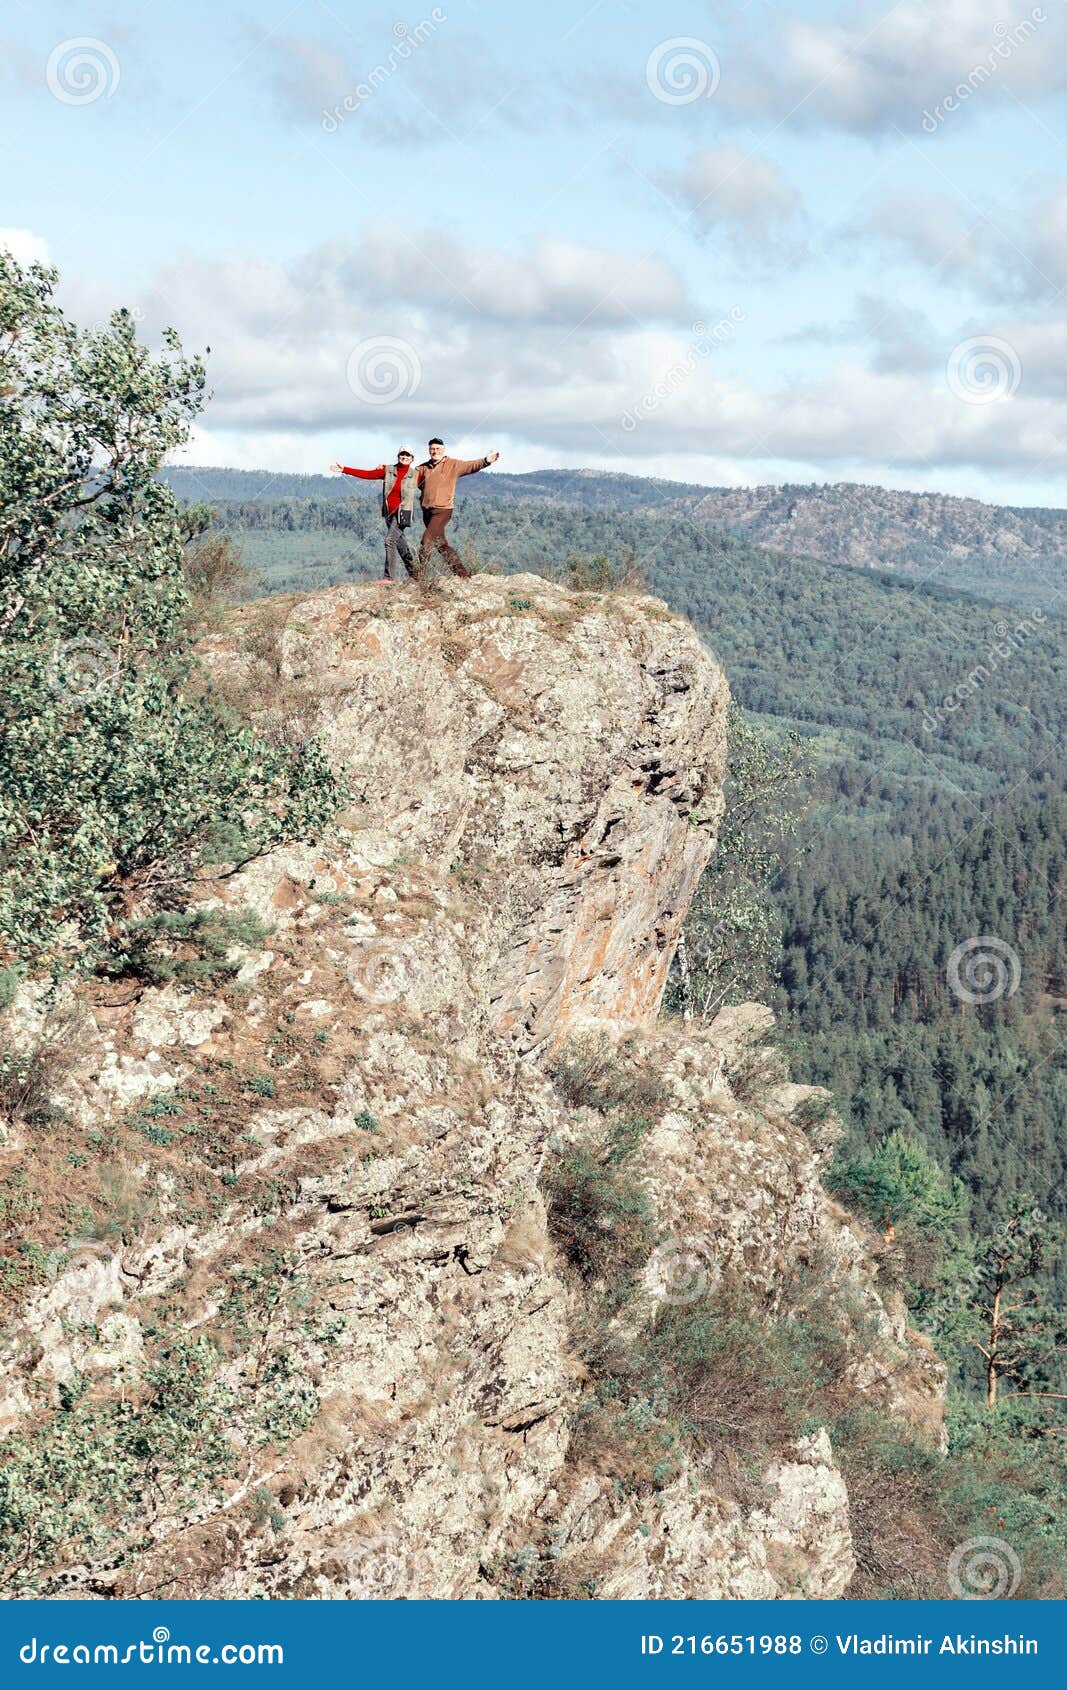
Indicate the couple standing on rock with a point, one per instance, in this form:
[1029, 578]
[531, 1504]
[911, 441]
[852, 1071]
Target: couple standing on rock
[434, 484]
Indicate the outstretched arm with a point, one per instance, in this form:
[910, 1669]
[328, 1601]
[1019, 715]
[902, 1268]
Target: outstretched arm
[471, 466]
[364, 474]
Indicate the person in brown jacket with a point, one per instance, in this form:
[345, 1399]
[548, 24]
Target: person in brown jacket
[437, 480]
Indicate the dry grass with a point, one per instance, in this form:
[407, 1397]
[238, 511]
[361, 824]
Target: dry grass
[597, 1072]
[34, 1068]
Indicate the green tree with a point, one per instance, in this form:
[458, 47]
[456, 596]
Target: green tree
[732, 938]
[1021, 1334]
[121, 773]
[922, 1213]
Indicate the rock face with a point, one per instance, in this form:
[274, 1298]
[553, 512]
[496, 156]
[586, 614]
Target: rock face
[569, 755]
[333, 1165]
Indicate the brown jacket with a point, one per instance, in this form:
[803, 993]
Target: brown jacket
[439, 480]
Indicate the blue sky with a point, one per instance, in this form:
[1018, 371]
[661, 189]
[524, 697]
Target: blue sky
[729, 243]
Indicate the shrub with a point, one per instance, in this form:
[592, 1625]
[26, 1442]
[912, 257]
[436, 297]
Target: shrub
[903, 1190]
[732, 939]
[910, 1507]
[215, 572]
[602, 574]
[87, 1480]
[123, 775]
[596, 1072]
[599, 1217]
[189, 947]
[33, 1069]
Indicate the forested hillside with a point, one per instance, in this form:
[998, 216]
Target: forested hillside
[994, 551]
[937, 721]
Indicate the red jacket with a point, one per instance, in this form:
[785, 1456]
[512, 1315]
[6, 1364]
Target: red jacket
[392, 497]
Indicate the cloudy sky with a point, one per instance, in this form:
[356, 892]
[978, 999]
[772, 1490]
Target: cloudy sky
[727, 243]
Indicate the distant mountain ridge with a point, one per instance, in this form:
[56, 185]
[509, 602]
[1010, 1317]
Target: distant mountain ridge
[985, 549]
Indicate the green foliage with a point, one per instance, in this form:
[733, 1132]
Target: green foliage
[599, 1214]
[1006, 1476]
[900, 1186]
[732, 939]
[600, 573]
[1022, 1334]
[910, 1507]
[122, 775]
[192, 947]
[73, 1485]
[214, 570]
[600, 1218]
[270, 1297]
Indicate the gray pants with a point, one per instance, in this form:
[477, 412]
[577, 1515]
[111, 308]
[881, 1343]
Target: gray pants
[396, 541]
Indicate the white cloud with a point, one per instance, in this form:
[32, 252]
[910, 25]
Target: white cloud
[307, 78]
[533, 363]
[727, 186]
[1000, 253]
[24, 245]
[556, 281]
[900, 338]
[416, 85]
[880, 64]
[557, 386]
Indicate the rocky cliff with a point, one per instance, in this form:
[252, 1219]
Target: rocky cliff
[295, 1276]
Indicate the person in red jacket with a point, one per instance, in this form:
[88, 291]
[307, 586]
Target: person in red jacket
[400, 489]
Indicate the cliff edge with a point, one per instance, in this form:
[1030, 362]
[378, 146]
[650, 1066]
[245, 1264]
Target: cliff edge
[307, 1220]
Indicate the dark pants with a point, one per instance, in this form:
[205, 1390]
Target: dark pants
[396, 541]
[434, 539]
